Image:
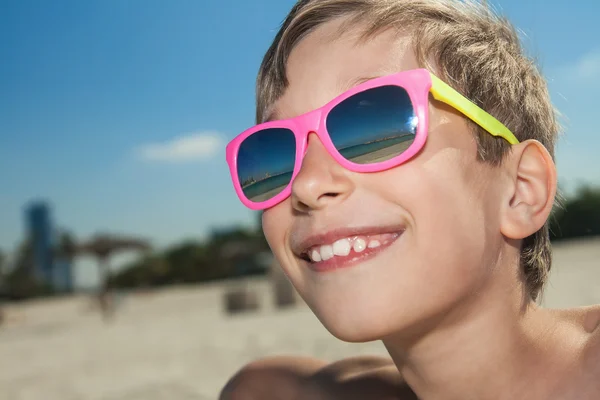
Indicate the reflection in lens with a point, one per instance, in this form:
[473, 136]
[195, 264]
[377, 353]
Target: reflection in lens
[373, 126]
[265, 163]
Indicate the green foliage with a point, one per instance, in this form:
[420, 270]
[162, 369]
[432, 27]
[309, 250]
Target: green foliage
[579, 217]
[66, 247]
[2, 262]
[20, 282]
[2, 277]
[227, 253]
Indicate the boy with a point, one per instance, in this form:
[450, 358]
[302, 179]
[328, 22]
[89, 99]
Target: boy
[403, 212]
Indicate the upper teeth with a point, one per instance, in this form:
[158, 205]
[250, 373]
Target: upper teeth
[343, 247]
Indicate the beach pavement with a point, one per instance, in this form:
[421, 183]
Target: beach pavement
[179, 344]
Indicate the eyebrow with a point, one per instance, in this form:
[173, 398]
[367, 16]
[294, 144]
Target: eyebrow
[342, 87]
[355, 82]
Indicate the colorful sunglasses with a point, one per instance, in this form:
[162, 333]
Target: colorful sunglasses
[372, 127]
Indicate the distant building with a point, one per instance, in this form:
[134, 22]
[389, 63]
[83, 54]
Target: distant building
[54, 272]
[39, 227]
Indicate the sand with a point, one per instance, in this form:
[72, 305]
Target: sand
[178, 344]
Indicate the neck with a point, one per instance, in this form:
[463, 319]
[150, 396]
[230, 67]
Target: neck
[496, 344]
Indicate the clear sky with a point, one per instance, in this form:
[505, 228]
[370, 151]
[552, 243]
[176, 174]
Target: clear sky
[117, 111]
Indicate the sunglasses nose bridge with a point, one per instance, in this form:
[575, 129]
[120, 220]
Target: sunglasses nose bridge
[310, 122]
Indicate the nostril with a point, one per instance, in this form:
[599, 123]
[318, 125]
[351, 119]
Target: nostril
[330, 194]
[300, 206]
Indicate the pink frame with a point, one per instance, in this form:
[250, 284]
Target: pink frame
[417, 84]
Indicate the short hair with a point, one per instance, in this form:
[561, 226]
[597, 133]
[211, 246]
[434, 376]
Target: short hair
[468, 45]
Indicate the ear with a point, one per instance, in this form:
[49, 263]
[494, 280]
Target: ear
[531, 190]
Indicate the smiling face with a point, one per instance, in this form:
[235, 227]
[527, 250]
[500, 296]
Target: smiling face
[378, 253]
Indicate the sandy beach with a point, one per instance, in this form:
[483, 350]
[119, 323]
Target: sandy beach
[179, 344]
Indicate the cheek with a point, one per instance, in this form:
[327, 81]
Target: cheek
[276, 223]
[274, 227]
[450, 227]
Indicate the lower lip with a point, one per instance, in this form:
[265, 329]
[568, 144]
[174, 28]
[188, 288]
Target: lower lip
[351, 260]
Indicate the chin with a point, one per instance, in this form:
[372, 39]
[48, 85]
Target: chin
[354, 325]
[359, 316]
[353, 332]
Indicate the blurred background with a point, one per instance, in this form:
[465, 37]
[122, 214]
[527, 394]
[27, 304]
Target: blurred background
[128, 267]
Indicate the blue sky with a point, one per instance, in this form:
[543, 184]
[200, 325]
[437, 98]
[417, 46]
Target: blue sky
[117, 112]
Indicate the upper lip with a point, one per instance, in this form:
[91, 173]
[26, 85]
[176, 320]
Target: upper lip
[301, 246]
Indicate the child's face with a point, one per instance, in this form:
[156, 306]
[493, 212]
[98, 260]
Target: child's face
[443, 205]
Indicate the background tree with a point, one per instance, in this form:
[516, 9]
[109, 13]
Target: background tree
[227, 253]
[21, 282]
[66, 248]
[2, 262]
[2, 274]
[103, 246]
[579, 217]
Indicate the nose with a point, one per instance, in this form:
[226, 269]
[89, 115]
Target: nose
[321, 182]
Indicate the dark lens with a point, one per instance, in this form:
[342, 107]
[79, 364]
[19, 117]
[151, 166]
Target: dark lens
[266, 162]
[373, 126]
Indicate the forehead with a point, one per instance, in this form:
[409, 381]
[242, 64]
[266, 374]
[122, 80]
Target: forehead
[324, 64]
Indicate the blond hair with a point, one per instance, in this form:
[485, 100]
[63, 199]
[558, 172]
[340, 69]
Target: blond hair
[472, 48]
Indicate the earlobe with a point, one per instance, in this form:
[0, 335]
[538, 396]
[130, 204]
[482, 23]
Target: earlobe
[532, 190]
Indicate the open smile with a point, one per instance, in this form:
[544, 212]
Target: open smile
[342, 252]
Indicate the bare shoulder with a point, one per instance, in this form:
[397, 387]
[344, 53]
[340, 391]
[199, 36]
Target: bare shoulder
[586, 384]
[282, 377]
[591, 324]
[361, 378]
[586, 318]
[302, 378]
[591, 355]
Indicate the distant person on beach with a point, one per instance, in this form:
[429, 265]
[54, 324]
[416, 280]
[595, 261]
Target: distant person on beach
[404, 212]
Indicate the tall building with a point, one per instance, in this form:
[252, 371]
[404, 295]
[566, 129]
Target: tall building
[49, 269]
[39, 227]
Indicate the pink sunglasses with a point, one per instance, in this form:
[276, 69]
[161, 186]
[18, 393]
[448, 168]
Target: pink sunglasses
[372, 127]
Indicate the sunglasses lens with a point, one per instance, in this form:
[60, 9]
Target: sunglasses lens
[373, 126]
[265, 163]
